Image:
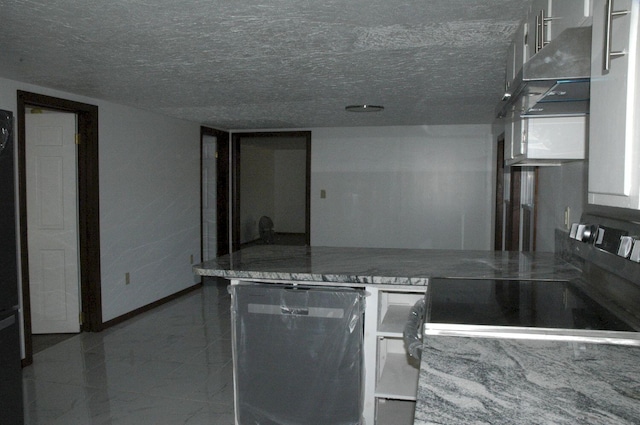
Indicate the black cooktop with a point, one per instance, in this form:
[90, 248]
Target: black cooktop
[540, 304]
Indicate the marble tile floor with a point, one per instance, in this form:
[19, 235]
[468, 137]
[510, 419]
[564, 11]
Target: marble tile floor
[169, 366]
[44, 341]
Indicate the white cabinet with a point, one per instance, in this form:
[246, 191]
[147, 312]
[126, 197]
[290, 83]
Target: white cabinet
[391, 391]
[548, 18]
[518, 51]
[614, 139]
[544, 141]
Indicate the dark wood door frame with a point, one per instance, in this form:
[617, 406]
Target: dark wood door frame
[222, 189]
[88, 210]
[499, 205]
[235, 183]
[512, 232]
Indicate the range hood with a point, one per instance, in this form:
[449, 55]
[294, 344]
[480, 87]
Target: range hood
[555, 81]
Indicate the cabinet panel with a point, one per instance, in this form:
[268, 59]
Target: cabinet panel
[516, 55]
[568, 14]
[538, 29]
[397, 371]
[548, 18]
[394, 412]
[613, 144]
[395, 308]
[540, 141]
[395, 381]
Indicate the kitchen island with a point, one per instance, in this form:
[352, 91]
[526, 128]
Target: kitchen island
[382, 266]
[393, 280]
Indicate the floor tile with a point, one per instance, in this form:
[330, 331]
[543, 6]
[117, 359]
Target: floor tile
[171, 365]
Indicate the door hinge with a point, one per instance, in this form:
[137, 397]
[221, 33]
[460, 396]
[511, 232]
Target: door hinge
[216, 154]
[77, 138]
[82, 317]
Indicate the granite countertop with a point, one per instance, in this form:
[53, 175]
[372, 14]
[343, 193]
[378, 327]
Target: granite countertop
[383, 265]
[516, 381]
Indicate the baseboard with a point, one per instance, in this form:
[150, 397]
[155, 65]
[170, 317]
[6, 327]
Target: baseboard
[148, 307]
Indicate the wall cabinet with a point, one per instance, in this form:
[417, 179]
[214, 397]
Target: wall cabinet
[544, 141]
[518, 51]
[545, 20]
[614, 138]
[550, 135]
[548, 18]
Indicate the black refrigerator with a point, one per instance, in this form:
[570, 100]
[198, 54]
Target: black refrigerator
[11, 410]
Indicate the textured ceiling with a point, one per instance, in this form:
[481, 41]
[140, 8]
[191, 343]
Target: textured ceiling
[267, 64]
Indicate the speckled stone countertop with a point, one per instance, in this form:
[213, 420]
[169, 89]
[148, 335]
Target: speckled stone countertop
[510, 381]
[383, 265]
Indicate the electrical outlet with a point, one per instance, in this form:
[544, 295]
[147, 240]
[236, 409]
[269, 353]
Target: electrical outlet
[323, 194]
[127, 278]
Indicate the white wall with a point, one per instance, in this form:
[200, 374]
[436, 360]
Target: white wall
[290, 190]
[256, 188]
[558, 188]
[149, 200]
[404, 187]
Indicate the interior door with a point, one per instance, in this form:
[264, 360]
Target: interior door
[52, 222]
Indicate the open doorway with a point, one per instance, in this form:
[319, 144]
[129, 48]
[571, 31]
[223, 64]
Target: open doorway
[515, 204]
[271, 180]
[214, 193]
[83, 118]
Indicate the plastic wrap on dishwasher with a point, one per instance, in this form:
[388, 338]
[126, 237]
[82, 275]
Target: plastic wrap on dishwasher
[297, 354]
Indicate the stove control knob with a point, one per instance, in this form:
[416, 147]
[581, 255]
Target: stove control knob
[573, 234]
[635, 251]
[587, 233]
[626, 244]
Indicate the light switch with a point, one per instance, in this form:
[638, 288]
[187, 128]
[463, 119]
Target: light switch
[323, 194]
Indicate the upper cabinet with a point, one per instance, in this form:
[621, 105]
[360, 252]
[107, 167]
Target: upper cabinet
[547, 84]
[614, 139]
[544, 141]
[549, 18]
[549, 61]
[518, 52]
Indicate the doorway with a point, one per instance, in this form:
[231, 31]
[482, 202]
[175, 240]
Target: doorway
[89, 315]
[214, 174]
[515, 204]
[271, 179]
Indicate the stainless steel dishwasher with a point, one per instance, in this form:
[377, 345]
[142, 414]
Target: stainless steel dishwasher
[297, 354]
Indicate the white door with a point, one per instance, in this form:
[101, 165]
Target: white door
[52, 222]
[209, 230]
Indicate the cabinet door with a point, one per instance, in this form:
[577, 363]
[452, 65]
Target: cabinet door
[516, 55]
[508, 138]
[510, 72]
[613, 173]
[565, 14]
[537, 22]
[519, 138]
[548, 18]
